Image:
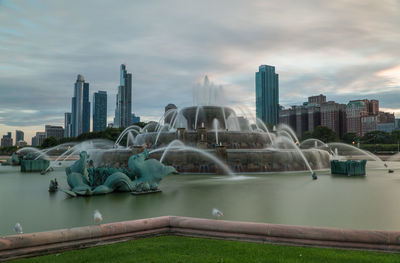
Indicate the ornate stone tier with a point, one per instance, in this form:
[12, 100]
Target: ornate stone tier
[238, 160]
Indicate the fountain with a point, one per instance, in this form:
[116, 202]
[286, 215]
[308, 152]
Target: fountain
[187, 138]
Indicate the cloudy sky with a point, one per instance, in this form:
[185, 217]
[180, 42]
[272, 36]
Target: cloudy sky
[344, 49]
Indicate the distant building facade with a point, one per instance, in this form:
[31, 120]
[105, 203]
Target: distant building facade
[301, 120]
[314, 116]
[313, 113]
[7, 140]
[135, 119]
[386, 121]
[317, 100]
[80, 107]
[362, 116]
[38, 139]
[123, 110]
[99, 111]
[267, 95]
[397, 124]
[288, 117]
[67, 125]
[19, 136]
[333, 116]
[54, 131]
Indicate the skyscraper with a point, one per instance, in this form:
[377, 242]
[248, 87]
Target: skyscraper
[67, 124]
[19, 136]
[123, 110]
[7, 140]
[54, 131]
[80, 107]
[99, 111]
[267, 94]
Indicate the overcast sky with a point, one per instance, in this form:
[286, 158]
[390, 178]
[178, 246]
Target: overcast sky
[343, 49]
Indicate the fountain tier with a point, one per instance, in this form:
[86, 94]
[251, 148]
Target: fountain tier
[194, 139]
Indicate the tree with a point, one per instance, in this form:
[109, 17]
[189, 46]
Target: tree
[350, 137]
[375, 137]
[307, 135]
[395, 136]
[49, 142]
[324, 134]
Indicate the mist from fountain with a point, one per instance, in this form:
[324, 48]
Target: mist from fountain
[130, 139]
[47, 151]
[312, 143]
[284, 133]
[170, 145]
[159, 133]
[178, 145]
[284, 140]
[161, 122]
[92, 147]
[131, 128]
[266, 130]
[34, 150]
[216, 127]
[284, 127]
[348, 150]
[197, 116]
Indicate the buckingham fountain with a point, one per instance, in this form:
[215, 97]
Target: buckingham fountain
[203, 139]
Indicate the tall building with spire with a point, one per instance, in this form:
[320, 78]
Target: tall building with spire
[267, 95]
[123, 110]
[80, 107]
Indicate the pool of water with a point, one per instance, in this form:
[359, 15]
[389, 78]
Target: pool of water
[370, 202]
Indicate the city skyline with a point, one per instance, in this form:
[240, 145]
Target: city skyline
[345, 50]
[123, 108]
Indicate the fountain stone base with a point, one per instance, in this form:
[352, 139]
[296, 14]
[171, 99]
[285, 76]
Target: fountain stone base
[349, 167]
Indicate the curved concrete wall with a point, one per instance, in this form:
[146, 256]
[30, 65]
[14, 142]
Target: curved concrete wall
[25, 245]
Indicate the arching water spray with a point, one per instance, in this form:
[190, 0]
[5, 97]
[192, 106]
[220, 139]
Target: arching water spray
[216, 127]
[295, 147]
[174, 145]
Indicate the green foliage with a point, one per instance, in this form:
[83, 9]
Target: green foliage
[109, 134]
[350, 137]
[141, 124]
[49, 142]
[375, 137]
[7, 150]
[322, 133]
[389, 148]
[307, 135]
[395, 136]
[187, 249]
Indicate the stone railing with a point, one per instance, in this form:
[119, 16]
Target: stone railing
[26, 245]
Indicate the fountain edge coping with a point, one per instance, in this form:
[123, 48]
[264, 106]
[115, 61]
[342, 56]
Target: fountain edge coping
[32, 244]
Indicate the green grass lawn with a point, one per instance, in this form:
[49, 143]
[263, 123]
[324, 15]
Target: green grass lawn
[186, 249]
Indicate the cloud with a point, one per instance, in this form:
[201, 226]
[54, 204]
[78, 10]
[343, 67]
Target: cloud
[344, 49]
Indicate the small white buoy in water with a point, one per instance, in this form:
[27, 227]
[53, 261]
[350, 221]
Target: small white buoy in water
[18, 228]
[97, 217]
[217, 213]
